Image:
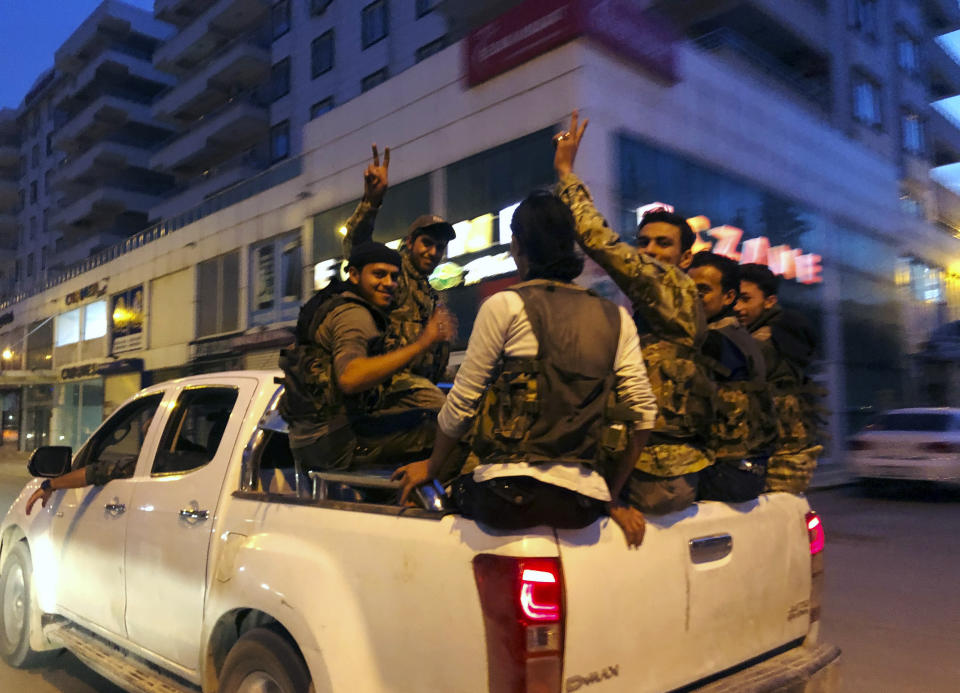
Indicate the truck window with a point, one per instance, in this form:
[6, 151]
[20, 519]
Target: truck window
[121, 437]
[194, 430]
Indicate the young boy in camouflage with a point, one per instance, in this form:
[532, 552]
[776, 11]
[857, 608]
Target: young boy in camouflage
[789, 345]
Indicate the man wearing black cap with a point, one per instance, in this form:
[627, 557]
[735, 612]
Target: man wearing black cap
[334, 374]
[421, 252]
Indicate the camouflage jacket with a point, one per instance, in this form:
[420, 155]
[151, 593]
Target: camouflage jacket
[788, 347]
[672, 327]
[745, 425]
[415, 302]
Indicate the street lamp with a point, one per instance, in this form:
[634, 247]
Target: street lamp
[7, 354]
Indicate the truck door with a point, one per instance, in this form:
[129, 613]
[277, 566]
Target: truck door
[626, 610]
[172, 517]
[89, 524]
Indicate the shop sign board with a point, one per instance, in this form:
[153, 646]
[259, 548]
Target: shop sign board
[88, 291]
[126, 312]
[537, 26]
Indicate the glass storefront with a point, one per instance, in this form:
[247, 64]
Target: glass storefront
[863, 300]
[77, 411]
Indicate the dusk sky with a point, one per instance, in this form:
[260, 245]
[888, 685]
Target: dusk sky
[32, 30]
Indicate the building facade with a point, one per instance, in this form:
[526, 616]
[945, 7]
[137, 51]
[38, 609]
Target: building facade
[216, 281]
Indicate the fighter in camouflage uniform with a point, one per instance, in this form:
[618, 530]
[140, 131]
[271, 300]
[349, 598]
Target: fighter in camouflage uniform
[788, 344]
[744, 428]
[421, 251]
[672, 327]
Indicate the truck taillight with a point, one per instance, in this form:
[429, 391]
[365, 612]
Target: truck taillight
[815, 533]
[523, 614]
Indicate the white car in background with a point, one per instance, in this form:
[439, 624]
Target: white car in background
[911, 444]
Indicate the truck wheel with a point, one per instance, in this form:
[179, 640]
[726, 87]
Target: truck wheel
[15, 609]
[264, 661]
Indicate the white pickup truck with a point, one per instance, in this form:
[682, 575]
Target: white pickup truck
[209, 569]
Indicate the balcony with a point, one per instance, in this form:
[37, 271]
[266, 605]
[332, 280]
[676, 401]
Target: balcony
[9, 153]
[944, 72]
[947, 206]
[242, 66]
[9, 194]
[101, 208]
[104, 115]
[110, 23]
[238, 125]
[208, 33]
[943, 15]
[944, 137]
[104, 158]
[9, 231]
[179, 12]
[806, 76]
[115, 65]
[214, 181]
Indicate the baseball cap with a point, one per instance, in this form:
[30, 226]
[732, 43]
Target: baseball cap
[434, 225]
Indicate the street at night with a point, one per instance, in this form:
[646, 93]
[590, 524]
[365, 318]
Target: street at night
[891, 560]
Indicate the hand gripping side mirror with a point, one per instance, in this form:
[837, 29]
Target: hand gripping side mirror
[50, 461]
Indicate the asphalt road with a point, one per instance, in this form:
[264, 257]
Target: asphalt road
[891, 601]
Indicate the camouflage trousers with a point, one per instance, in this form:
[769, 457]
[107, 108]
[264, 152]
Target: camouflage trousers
[792, 471]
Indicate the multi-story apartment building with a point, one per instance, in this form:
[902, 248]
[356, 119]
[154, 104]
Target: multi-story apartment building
[9, 198]
[803, 123]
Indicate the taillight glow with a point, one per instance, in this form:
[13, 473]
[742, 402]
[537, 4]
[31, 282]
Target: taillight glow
[815, 533]
[539, 595]
[523, 613]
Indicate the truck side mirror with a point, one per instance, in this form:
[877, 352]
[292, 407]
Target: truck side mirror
[50, 460]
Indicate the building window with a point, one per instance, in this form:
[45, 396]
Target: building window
[33, 228]
[318, 7]
[280, 79]
[866, 101]
[908, 53]
[47, 180]
[911, 132]
[45, 225]
[280, 18]
[425, 7]
[321, 54]
[49, 143]
[276, 273]
[321, 107]
[68, 328]
[35, 156]
[30, 260]
[218, 285]
[280, 141]
[428, 49]
[374, 22]
[44, 251]
[95, 320]
[864, 16]
[373, 79]
[33, 191]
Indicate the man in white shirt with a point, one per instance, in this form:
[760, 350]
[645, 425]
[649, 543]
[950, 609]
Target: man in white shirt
[545, 360]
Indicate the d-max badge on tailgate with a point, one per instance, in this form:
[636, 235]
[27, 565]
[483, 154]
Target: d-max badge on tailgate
[575, 683]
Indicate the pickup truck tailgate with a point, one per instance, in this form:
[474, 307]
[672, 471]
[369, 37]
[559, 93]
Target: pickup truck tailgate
[710, 588]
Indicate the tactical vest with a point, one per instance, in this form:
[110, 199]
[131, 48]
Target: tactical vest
[686, 396]
[745, 425]
[310, 393]
[551, 408]
[797, 399]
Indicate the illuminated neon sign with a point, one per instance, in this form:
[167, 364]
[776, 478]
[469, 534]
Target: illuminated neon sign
[784, 261]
